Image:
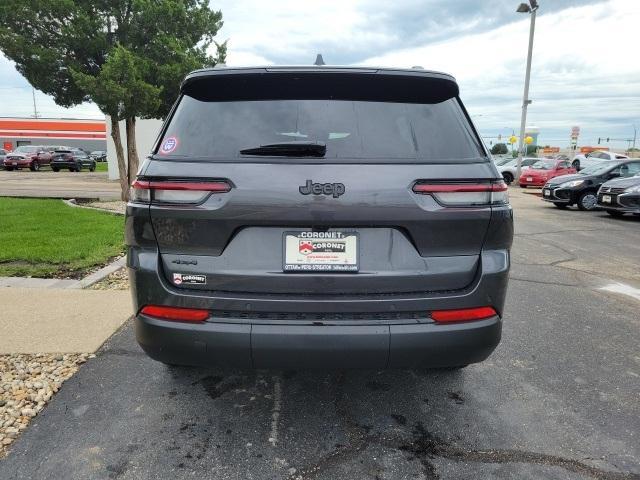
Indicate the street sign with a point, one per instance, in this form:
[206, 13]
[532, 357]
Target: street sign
[575, 132]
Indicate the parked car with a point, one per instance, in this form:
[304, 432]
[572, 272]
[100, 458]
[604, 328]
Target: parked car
[581, 161]
[3, 154]
[581, 189]
[99, 155]
[543, 170]
[73, 159]
[502, 159]
[620, 196]
[31, 156]
[509, 169]
[278, 242]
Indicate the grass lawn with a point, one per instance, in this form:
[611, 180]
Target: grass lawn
[102, 167]
[46, 238]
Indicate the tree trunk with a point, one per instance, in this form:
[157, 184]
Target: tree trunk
[122, 169]
[132, 152]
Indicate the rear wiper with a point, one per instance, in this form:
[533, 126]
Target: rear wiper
[288, 149]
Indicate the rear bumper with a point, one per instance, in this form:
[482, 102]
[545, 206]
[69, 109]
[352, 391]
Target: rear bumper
[533, 183]
[258, 331]
[417, 345]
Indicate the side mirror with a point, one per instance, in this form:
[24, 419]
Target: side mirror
[614, 174]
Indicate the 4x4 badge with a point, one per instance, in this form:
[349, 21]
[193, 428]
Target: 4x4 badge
[334, 189]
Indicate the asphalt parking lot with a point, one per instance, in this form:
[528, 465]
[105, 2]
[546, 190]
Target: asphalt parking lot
[63, 184]
[560, 397]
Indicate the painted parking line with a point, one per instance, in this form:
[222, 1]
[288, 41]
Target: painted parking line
[623, 289]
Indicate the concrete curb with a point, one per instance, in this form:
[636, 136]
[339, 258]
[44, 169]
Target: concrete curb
[54, 283]
[72, 203]
[104, 272]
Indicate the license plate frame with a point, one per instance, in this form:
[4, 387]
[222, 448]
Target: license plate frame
[325, 257]
[529, 179]
[606, 199]
[546, 192]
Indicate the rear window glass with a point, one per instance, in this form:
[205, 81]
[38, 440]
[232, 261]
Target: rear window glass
[351, 130]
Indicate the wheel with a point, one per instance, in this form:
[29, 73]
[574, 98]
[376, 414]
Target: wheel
[55, 169]
[576, 164]
[587, 201]
[79, 168]
[8, 169]
[523, 186]
[561, 206]
[615, 213]
[508, 178]
[92, 169]
[35, 166]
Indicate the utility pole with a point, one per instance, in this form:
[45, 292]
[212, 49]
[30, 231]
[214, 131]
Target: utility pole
[635, 132]
[524, 8]
[33, 94]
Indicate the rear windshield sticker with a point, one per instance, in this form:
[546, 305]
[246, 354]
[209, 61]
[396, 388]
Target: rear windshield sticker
[187, 278]
[169, 145]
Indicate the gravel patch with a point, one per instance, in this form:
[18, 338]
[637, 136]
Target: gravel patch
[118, 280]
[117, 206]
[27, 383]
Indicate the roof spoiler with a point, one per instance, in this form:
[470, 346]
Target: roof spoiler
[314, 83]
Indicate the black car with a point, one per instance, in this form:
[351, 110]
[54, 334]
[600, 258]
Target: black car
[333, 217]
[99, 155]
[581, 188]
[620, 196]
[73, 159]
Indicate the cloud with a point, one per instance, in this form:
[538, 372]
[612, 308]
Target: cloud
[584, 72]
[581, 72]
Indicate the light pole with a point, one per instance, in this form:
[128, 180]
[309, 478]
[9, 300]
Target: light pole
[530, 8]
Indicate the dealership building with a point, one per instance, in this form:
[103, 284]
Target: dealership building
[89, 135]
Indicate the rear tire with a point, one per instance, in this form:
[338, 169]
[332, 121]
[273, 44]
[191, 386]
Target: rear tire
[8, 169]
[615, 213]
[561, 206]
[587, 201]
[523, 186]
[55, 169]
[35, 166]
[508, 178]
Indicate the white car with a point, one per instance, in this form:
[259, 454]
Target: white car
[508, 170]
[581, 160]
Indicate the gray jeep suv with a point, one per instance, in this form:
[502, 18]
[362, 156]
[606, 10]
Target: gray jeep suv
[318, 217]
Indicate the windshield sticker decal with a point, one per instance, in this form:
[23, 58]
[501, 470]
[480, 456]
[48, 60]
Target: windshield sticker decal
[169, 145]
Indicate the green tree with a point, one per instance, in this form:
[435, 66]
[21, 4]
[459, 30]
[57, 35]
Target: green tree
[127, 56]
[499, 149]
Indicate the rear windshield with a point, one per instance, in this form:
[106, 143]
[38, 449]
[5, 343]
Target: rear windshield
[351, 130]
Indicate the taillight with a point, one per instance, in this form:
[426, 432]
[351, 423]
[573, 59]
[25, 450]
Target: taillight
[463, 315]
[465, 193]
[188, 192]
[178, 314]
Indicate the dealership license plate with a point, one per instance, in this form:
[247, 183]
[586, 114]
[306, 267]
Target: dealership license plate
[546, 193]
[320, 252]
[529, 179]
[606, 199]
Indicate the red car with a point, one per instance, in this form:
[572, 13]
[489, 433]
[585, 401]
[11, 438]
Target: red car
[30, 156]
[543, 170]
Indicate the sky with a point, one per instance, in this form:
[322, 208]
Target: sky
[584, 73]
